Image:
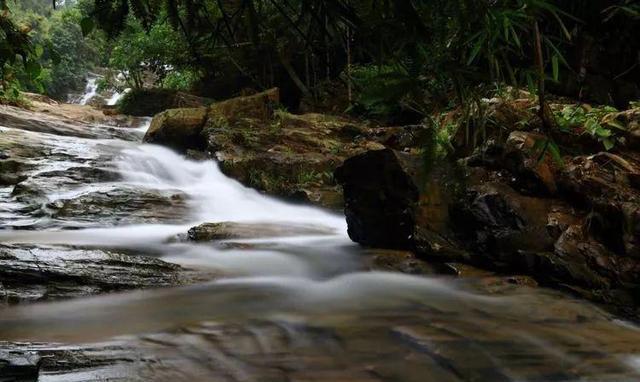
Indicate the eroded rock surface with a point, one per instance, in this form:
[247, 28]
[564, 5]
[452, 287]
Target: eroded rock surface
[38, 273]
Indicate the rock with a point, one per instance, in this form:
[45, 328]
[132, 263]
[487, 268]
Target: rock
[182, 128]
[398, 261]
[381, 191]
[497, 222]
[64, 119]
[391, 203]
[28, 362]
[520, 158]
[258, 106]
[575, 226]
[37, 273]
[12, 172]
[403, 138]
[605, 184]
[17, 365]
[285, 154]
[532, 173]
[231, 230]
[179, 129]
[120, 206]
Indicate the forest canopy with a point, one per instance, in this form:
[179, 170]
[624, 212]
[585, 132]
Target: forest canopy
[391, 57]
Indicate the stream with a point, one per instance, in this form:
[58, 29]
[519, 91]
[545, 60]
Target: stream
[296, 307]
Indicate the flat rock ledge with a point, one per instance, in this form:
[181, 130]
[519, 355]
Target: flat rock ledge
[39, 273]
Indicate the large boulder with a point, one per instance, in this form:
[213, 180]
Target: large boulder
[393, 201]
[381, 191]
[179, 129]
[182, 128]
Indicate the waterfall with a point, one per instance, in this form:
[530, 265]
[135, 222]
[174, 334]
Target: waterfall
[90, 90]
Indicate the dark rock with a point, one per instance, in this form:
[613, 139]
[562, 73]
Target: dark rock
[12, 172]
[31, 362]
[381, 192]
[497, 223]
[604, 183]
[520, 158]
[19, 366]
[509, 210]
[390, 202]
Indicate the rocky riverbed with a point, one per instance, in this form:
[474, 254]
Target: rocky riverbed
[127, 261]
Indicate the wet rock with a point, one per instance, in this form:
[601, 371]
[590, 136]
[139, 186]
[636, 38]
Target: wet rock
[120, 206]
[508, 210]
[231, 230]
[12, 172]
[17, 365]
[37, 273]
[30, 362]
[65, 119]
[399, 261]
[466, 271]
[178, 128]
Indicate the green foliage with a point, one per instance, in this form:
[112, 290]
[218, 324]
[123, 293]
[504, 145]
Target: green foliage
[158, 50]
[182, 80]
[50, 56]
[147, 102]
[599, 122]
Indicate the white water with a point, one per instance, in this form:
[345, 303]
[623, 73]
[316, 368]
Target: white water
[215, 197]
[90, 91]
[117, 96]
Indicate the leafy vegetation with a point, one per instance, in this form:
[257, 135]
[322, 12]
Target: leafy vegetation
[599, 122]
[44, 50]
[401, 61]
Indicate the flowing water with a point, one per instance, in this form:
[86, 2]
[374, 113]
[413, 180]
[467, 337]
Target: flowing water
[288, 308]
[90, 91]
[116, 97]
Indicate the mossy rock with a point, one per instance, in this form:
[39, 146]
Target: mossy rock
[179, 129]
